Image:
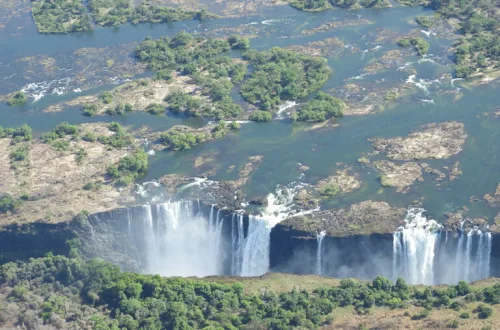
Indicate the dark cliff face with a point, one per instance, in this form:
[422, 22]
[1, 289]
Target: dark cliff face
[358, 256]
[495, 256]
[33, 240]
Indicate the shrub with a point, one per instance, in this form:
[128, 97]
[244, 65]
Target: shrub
[261, 116]
[330, 190]
[129, 168]
[322, 107]
[19, 153]
[90, 110]
[89, 137]
[234, 125]
[454, 324]
[424, 21]
[155, 109]
[179, 140]
[106, 97]
[19, 98]
[465, 315]
[9, 204]
[422, 315]
[60, 145]
[64, 129]
[484, 311]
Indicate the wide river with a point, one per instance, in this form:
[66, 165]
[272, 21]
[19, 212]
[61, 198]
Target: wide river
[431, 97]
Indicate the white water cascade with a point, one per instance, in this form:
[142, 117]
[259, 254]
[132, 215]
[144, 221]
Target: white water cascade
[180, 242]
[251, 254]
[319, 239]
[423, 253]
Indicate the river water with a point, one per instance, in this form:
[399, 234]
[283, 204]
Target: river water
[430, 97]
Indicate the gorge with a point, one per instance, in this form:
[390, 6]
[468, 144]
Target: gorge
[188, 238]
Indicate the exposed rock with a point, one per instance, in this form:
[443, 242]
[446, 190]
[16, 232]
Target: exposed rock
[459, 220]
[440, 176]
[329, 47]
[337, 24]
[493, 200]
[438, 141]
[172, 182]
[455, 171]
[139, 94]
[364, 218]
[399, 176]
[344, 181]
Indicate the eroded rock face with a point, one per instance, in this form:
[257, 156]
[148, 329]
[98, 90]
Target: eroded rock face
[439, 141]
[364, 218]
[399, 176]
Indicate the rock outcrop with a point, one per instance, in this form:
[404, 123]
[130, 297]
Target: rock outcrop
[364, 218]
[438, 141]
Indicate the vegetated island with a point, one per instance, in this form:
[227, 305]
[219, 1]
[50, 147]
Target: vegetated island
[61, 16]
[478, 50]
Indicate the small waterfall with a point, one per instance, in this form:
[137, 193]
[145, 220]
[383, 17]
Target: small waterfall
[423, 253]
[319, 239]
[254, 254]
[237, 243]
[255, 259]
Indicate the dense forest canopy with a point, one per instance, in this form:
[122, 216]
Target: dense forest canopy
[71, 292]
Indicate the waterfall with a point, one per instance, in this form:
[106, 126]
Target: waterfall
[421, 255]
[414, 246]
[319, 239]
[181, 242]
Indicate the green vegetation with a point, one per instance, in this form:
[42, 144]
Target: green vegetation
[60, 131]
[421, 46]
[479, 48]
[261, 116]
[129, 168]
[90, 110]
[321, 108]
[200, 58]
[329, 190]
[19, 98]
[181, 103]
[120, 109]
[155, 109]
[425, 21]
[106, 97]
[116, 12]
[184, 138]
[18, 134]
[9, 204]
[280, 75]
[318, 5]
[120, 139]
[238, 42]
[70, 293]
[60, 16]
[20, 153]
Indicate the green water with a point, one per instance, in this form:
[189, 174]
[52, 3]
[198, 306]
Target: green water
[282, 143]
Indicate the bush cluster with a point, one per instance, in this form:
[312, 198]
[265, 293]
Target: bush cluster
[96, 294]
[322, 107]
[280, 75]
